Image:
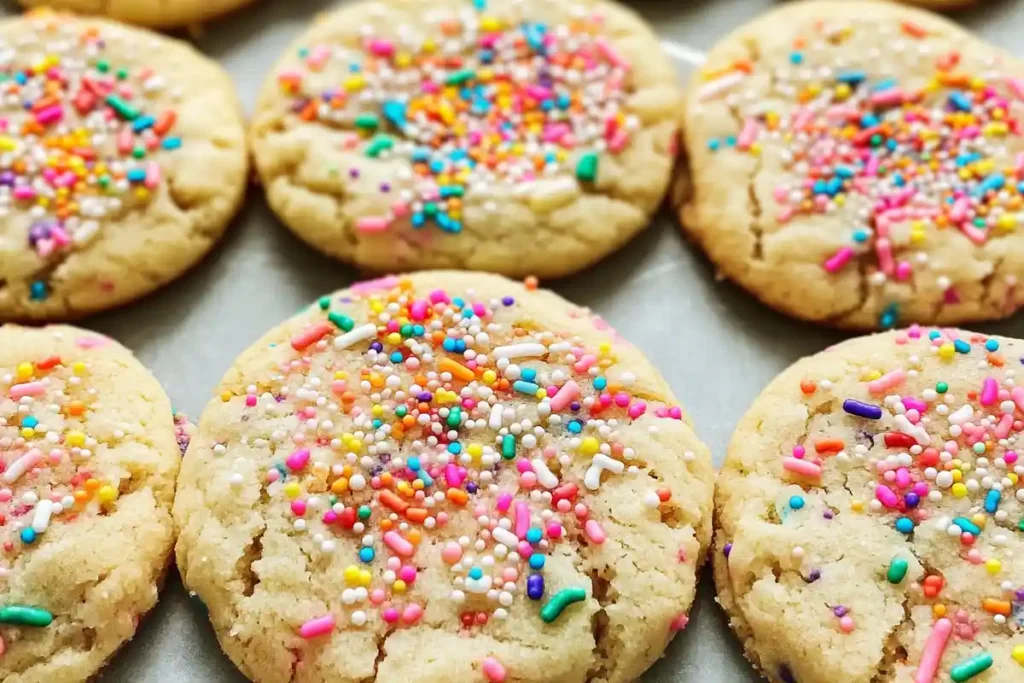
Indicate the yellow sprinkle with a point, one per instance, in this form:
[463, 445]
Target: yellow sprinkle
[292, 490]
[993, 566]
[394, 338]
[959, 490]
[857, 505]
[946, 351]
[75, 439]
[979, 520]
[1007, 221]
[939, 610]
[490, 23]
[24, 370]
[1018, 654]
[352, 575]
[589, 446]
[490, 377]
[78, 368]
[398, 586]
[365, 578]
[107, 494]
[225, 396]
[28, 432]
[355, 82]
[872, 376]
[7, 144]
[475, 450]
[339, 486]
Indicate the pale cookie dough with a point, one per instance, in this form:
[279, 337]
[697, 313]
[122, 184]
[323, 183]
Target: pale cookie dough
[870, 514]
[858, 164]
[88, 460]
[154, 13]
[532, 137]
[446, 478]
[122, 160]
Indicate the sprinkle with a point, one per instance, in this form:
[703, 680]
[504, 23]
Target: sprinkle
[493, 670]
[317, 627]
[557, 604]
[586, 167]
[359, 334]
[897, 571]
[398, 544]
[933, 650]
[20, 615]
[860, 409]
[802, 467]
[971, 667]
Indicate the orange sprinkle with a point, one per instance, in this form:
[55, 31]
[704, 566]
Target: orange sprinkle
[993, 606]
[457, 369]
[808, 386]
[458, 496]
[389, 499]
[828, 445]
[416, 515]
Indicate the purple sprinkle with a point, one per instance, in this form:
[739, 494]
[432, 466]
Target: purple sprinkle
[574, 405]
[912, 499]
[385, 187]
[535, 586]
[861, 409]
[471, 488]
[840, 611]
[353, 172]
[508, 301]
[425, 397]
[828, 514]
[377, 346]
[727, 550]
[814, 575]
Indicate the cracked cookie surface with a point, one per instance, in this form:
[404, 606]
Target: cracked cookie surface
[154, 13]
[88, 460]
[122, 160]
[444, 478]
[521, 138]
[870, 514]
[857, 164]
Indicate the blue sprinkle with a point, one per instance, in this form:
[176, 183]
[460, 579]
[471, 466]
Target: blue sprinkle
[992, 345]
[142, 123]
[905, 525]
[29, 422]
[884, 85]
[796, 58]
[171, 143]
[960, 346]
[575, 427]
[967, 525]
[861, 235]
[136, 175]
[796, 502]
[28, 535]
[366, 555]
[851, 77]
[529, 374]
[418, 220]
[992, 499]
[536, 561]
[600, 383]
[394, 111]
[959, 101]
[396, 357]
[714, 144]
[455, 448]
[844, 172]
[534, 535]
[535, 586]
[38, 290]
[889, 316]
[524, 387]
[868, 121]
[414, 464]
[476, 573]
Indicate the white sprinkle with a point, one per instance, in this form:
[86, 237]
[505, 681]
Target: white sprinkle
[361, 333]
[529, 350]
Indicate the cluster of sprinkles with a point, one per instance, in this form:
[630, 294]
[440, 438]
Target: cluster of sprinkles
[46, 476]
[456, 409]
[480, 102]
[899, 161]
[82, 135]
[940, 451]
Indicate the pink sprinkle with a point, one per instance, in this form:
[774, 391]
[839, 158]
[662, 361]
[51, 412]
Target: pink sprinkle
[903, 270]
[566, 394]
[452, 552]
[152, 175]
[412, 614]
[27, 389]
[890, 97]
[973, 233]
[418, 310]
[839, 259]
[1003, 428]
[390, 615]
[934, 647]
[382, 48]
[402, 547]
[747, 135]
[680, 622]
[989, 391]
[637, 409]
[504, 501]
[51, 114]
[373, 224]
[453, 475]
[886, 497]
[594, 532]
[299, 508]
[298, 459]
[610, 53]
[802, 467]
[493, 670]
[883, 248]
[317, 627]
[24, 192]
[911, 403]
[522, 519]
[407, 573]
[1016, 86]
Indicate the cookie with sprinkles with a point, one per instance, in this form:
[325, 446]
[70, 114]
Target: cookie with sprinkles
[158, 14]
[444, 478]
[401, 135]
[122, 160]
[861, 165]
[870, 514]
[88, 460]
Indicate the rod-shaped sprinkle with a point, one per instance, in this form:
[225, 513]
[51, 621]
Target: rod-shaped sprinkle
[556, 605]
[21, 615]
[933, 650]
[971, 667]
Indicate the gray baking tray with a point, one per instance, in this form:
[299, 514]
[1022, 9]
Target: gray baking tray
[716, 346]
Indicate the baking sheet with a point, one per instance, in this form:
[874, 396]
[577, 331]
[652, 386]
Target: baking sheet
[716, 346]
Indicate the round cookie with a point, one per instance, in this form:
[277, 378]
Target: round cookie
[88, 460]
[122, 160]
[870, 514]
[157, 14]
[446, 477]
[399, 135]
[857, 164]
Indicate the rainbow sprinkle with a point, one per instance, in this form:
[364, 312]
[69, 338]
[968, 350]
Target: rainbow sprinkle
[83, 145]
[899, 162]
[414, 408]
[480, 104]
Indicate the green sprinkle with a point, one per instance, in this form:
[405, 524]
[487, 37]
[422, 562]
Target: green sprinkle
[123, 109]
[21, 615]
[1020, 525]
[459, 77]
[897, 571]
[971, 667]
[122, 74]
[455, 417]
[369, 121]
[343, 321]
[364, 512]
[324, 302]
[586, 167]
[942, 387]
[103, 66]
[379, 144]
[556, 605]
[139, 152]
[508, 446]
